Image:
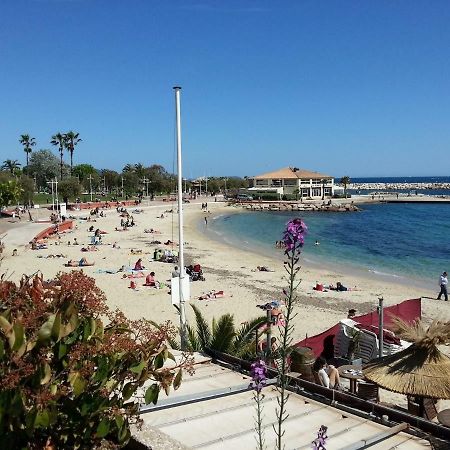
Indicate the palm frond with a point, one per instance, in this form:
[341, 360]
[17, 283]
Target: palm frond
[224, 332]
[203, 330]
[193, 341]
[246, 334]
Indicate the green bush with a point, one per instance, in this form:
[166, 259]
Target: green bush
[67, 380]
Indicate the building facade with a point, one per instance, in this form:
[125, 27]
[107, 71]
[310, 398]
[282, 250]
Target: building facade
[292, 180]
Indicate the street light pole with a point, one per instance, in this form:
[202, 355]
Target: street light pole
[90, 185]
[183, 322]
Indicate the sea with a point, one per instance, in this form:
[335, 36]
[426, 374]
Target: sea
[405, 243]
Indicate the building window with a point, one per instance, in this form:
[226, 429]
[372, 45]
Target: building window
[316, 192]
[290, 182]
[276, 183]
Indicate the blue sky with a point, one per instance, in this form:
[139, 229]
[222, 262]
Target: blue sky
[353, 88]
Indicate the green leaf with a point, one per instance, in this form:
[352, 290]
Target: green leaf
[159, 361]
[62, 350]
[42, 419]
[103, 428]
[45, 332]
[123, 436]
[56, 328]
[119, 421]
[128, 390]
[19, 336]
[177, 379]
[77, 382]
[5, 325]
[139, 368]
[47, 373]
[151, 394]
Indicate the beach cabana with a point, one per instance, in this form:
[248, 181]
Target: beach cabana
[421, 370]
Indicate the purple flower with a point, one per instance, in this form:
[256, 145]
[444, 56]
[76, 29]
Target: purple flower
[321, 440]
[258, 373]
[294, 235]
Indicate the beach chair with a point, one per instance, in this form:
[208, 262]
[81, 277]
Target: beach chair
[368, 391]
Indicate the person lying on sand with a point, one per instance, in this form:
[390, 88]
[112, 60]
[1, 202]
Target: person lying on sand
[83, 262]
[121, 229]
[212, 294]
[134, 251]
[57, 255]
[151, 230]
[341, 288]
[262, 269]
[89, 248]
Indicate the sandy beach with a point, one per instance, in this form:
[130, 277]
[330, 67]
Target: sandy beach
[226, 268]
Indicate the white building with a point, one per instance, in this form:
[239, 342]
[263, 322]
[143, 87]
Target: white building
[292, 180]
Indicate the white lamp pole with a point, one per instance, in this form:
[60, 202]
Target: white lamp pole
[180, 223]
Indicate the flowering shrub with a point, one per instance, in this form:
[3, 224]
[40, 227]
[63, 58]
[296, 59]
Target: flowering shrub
[67, 380]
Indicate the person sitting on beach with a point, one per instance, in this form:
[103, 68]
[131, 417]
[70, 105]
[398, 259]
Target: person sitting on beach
[351, 314]
[83, 262]
[91, 229]
[35, 245]
[14, 253]
[116, 245]
[138, 265]
[327, 376]
[75, 242]
[150, 280]
[175, 272]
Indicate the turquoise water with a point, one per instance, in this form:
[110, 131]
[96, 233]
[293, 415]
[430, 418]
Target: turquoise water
[393, 240]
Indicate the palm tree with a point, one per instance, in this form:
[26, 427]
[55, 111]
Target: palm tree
[11, 165]
[72, 140]
[345, 181]
[222, 336]
[27, 143]
[59, 140]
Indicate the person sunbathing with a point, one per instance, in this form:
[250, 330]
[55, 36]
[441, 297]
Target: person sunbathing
[83, 262]
[264, 269]
[89, 248]
[136, 251]
[212, 294]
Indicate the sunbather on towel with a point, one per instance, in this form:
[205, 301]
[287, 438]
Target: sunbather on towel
[83, 262]
[138, 265]
[212, 294]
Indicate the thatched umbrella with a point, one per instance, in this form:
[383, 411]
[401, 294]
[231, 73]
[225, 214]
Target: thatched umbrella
[422, 369]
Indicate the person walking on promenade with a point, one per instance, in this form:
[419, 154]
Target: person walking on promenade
[443, 282]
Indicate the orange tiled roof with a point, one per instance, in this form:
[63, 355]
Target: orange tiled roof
[292, 173]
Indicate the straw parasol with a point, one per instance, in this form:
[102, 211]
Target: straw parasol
[421, 369]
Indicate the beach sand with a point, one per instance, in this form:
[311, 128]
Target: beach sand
[226, 268]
